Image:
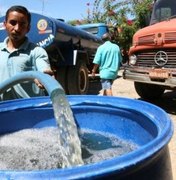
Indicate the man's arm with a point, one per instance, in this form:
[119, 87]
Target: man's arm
[41, 63]
[94, 69]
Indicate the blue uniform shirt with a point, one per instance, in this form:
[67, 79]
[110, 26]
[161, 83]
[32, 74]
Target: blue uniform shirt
[108, 57]
[26, 58]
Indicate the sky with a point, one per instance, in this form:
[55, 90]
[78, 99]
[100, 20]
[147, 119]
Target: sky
[61, 9]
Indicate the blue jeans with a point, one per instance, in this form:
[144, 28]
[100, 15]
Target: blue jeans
[106, 83]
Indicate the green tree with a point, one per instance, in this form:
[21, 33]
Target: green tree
[143, 12]
[123, 17]
[115, 15]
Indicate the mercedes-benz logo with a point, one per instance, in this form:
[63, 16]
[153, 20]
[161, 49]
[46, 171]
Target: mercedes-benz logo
[161, 58]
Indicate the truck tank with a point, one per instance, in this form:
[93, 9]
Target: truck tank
[70, 49]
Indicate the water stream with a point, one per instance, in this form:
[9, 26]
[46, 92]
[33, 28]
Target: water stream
[60, 146]
[69, 139]
[44, 148]
[70, 146]
[56, 147]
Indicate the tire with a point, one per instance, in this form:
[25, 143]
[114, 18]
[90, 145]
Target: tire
[77, 79]
[148, 91]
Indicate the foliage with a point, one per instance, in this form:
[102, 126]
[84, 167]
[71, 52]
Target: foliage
[142, 13]
[124, 17]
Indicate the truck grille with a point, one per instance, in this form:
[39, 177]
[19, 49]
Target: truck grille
[148, 39]
[147, 59]
[170, 37]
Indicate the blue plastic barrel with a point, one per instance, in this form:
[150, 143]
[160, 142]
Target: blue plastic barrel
[145, 124]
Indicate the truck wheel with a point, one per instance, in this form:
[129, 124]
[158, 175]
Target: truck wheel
[77, 79]
[148, 91]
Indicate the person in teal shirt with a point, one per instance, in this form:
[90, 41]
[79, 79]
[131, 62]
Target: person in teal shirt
[107, 59]
[18, 54]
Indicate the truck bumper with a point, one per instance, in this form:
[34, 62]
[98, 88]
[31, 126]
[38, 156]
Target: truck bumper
[142, 75]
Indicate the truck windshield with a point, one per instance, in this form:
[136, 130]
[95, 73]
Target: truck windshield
[162, 10]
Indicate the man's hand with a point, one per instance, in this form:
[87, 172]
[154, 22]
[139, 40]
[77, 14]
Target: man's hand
[37, 82]
[93, 74]
[49, 71]
[94, 70]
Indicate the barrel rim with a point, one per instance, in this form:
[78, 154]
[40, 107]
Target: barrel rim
[122, 163]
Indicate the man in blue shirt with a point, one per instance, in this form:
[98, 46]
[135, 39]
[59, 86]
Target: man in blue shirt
[17, 54]
[107, 59]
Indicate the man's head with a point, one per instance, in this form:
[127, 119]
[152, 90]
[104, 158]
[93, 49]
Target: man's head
[20, 9]
[17, 22]
[106, 37]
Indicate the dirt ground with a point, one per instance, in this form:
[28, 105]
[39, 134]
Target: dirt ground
[125, 88]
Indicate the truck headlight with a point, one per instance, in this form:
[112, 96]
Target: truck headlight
[132, 59]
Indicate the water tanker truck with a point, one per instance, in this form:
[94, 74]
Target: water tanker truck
[70, 49]
[152, 58]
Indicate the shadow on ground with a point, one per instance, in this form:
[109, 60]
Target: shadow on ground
[94, 86]
[166, 102]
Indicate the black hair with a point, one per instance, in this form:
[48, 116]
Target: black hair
[106, 37]
[20, 9]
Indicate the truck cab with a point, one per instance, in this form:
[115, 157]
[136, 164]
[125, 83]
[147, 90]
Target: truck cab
[97, 29]
[152, 57]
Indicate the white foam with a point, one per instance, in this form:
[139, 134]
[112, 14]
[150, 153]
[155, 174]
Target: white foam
[30, 149]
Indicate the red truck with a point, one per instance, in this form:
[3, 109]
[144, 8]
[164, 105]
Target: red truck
[152, 57]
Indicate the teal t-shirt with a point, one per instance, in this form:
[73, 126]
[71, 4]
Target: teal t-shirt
[26, 58]
[108, 57]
